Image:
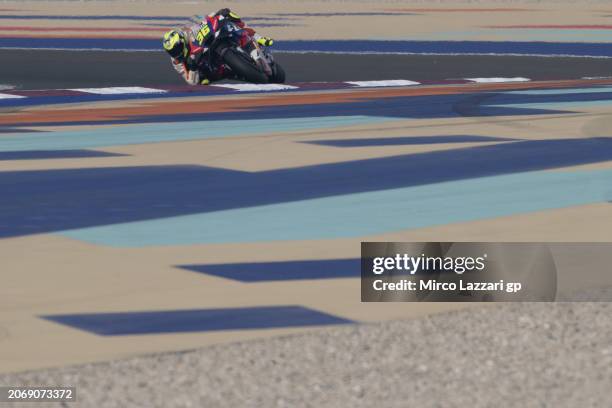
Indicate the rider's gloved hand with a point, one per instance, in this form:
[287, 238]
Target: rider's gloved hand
[193, 78]
[265, 41]
[178, 66]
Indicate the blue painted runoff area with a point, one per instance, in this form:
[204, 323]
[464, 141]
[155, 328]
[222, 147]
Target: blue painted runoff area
[71, 199]
[56, 99]
[170, 132]
[408, 140]
[362, 214]
[562, 91]
[53, 154]
[203, 320]
[282, 270]
[556, 105]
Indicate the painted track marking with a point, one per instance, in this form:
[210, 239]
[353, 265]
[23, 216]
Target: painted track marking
[375, 84]
[120, 90]
[498, 79]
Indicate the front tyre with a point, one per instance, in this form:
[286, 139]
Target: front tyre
[278, 74]
[244, 67]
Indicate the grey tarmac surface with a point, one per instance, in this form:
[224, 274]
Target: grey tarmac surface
[513, 355]
[47, 69]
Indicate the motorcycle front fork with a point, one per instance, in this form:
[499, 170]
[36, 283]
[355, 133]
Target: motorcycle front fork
[258, 55]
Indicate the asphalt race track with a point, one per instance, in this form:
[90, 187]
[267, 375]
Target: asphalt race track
[58, 69]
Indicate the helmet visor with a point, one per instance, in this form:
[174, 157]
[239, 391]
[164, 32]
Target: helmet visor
[174, 44]
[176, 52]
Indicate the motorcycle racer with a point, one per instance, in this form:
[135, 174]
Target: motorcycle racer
[186, 52]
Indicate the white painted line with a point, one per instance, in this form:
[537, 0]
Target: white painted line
[494, 80]
[598, 77]
[119, 90]
[257, 87]
[9, 96]
[391, 82]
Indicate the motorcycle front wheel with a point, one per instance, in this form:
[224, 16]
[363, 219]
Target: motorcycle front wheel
[278, 74]
[244, 67]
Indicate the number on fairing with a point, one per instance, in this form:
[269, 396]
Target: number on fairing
[203, 33]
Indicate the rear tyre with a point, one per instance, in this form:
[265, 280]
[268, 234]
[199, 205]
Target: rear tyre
[278, 74]
[244, 67]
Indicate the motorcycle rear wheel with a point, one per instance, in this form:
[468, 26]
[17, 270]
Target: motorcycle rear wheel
[243, 67]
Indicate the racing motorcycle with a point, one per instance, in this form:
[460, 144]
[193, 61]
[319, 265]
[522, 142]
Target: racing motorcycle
[221, 42]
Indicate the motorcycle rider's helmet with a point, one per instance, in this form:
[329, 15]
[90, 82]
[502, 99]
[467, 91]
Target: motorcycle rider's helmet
[175, 44]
